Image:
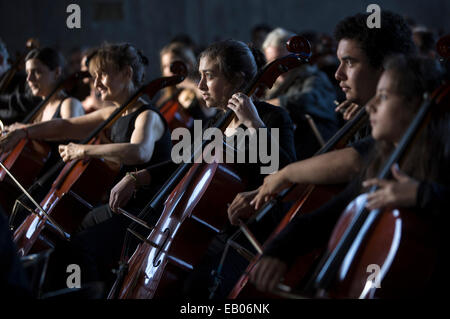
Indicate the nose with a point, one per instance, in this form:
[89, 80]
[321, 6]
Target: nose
[340, 74]
[30, 77]
[202, 84]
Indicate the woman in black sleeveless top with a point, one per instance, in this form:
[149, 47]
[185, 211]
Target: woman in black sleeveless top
[118, 71]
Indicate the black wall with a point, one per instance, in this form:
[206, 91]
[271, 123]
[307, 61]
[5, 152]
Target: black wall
[151, 23]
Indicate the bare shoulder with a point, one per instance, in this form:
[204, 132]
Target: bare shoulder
[149, 116]
[71, 107]
[151, 121]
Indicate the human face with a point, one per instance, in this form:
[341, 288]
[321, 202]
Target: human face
[273, 53]
[390, 113]
[216, 90]
[166, 61]
[357, 78]
[40, 78]
[113, 85]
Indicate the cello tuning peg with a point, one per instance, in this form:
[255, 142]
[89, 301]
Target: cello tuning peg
[32, 43]
[299, 45]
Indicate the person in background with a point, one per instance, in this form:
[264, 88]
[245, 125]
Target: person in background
[306, 93]
[93, 101]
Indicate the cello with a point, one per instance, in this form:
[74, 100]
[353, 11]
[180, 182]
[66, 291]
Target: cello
[175, 114]
[186, 225]
[75, 191]
[28, 157]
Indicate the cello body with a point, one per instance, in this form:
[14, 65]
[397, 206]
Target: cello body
[193, 214]
[25, 162]
[309, 198]
[73, 194]
[393, 256]
[175, 115]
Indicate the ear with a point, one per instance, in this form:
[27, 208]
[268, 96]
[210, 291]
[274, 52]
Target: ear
[128, 73]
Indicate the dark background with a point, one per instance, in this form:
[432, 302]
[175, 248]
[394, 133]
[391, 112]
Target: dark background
[150, 24]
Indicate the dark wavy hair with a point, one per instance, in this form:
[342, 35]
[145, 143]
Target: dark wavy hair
[119, 56]
[427, 159]
[393, 37]
[48, 56]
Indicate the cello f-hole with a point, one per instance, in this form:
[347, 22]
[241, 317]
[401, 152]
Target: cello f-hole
[157, 263]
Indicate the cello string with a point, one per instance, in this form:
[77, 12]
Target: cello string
[57, 227]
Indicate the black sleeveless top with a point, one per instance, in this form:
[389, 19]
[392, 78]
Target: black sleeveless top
[122, 130]
[57, 114]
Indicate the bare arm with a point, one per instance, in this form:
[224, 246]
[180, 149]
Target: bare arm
[330, 168]
[69, 128]
[58, 129]
[148, 129]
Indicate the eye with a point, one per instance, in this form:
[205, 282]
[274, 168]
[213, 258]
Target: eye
[349, 63]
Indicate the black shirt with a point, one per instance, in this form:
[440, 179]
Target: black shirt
[122, 130]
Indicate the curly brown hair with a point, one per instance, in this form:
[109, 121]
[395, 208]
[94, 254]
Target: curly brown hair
[393, 37]
[119, 56]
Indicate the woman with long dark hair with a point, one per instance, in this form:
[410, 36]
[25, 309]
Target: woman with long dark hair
[44, 68]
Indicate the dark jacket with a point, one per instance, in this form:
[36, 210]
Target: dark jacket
[308, 90]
